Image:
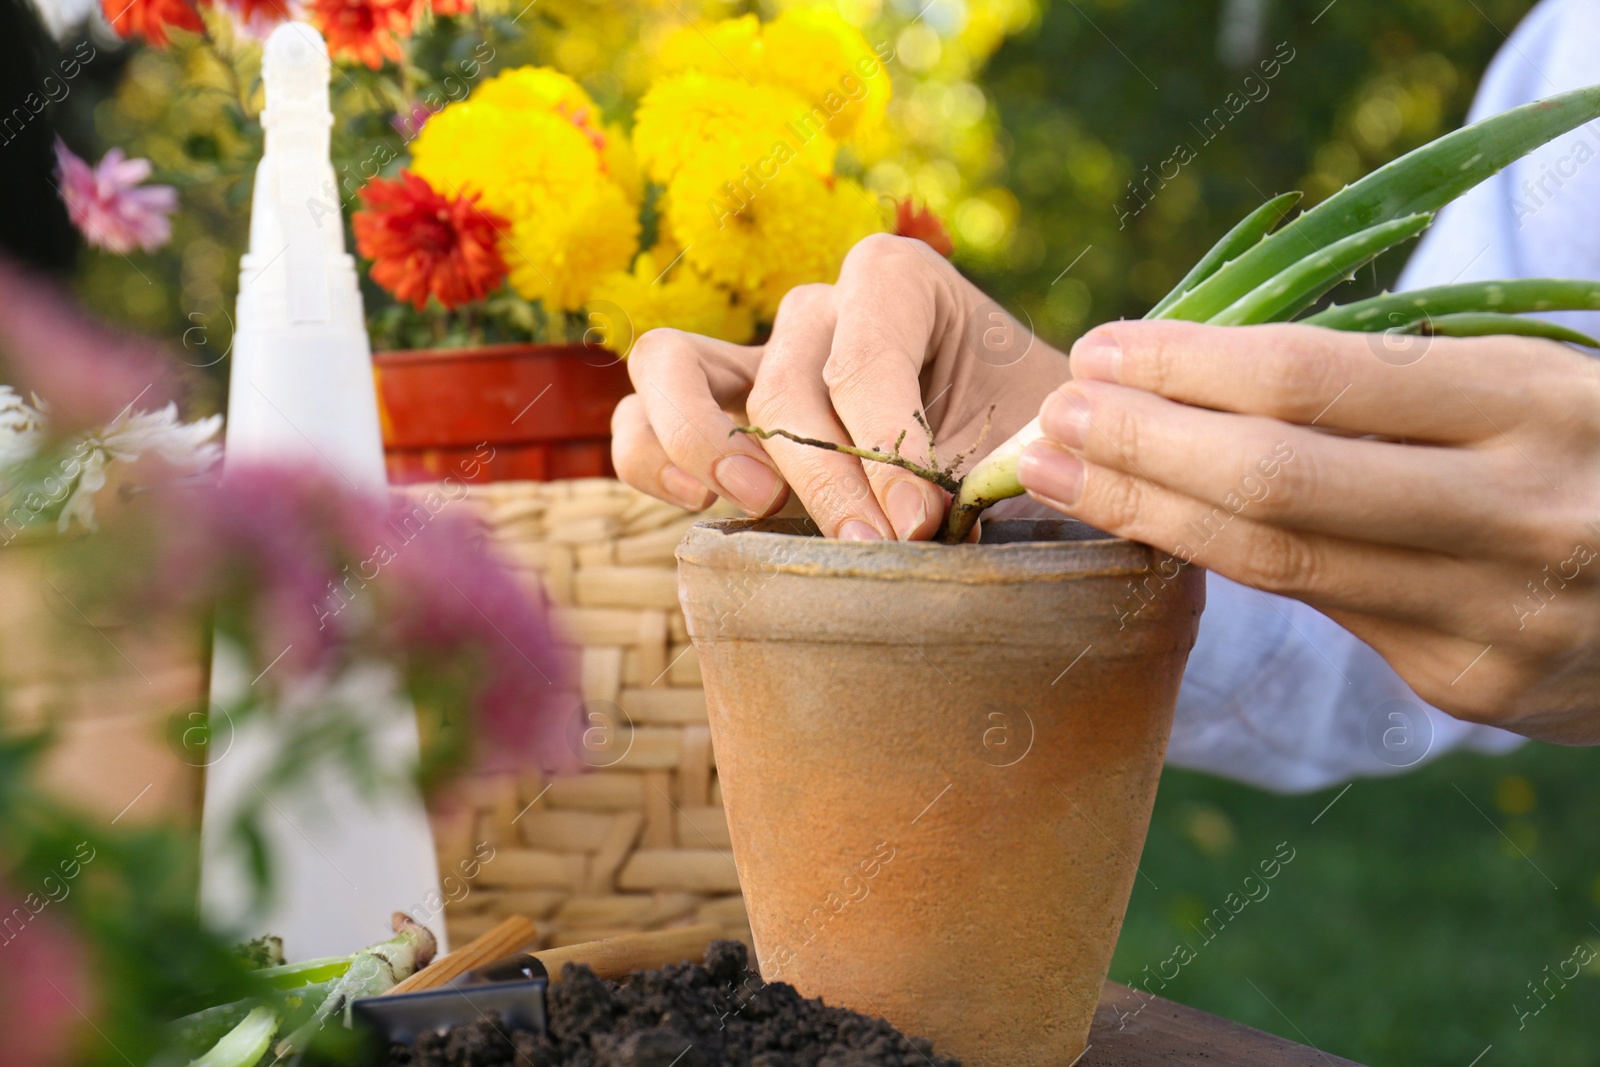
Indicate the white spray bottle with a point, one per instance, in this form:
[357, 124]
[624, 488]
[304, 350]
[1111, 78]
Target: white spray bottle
[301, 391]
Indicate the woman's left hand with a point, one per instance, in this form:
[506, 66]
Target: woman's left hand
[1440, 500]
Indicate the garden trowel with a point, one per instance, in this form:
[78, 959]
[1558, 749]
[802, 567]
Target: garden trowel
[513, 986]
[301, 392]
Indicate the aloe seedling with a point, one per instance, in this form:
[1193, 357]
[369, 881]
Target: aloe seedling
[1260, 273]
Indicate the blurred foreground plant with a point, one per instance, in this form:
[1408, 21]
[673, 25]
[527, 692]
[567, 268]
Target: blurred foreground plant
[308, 582]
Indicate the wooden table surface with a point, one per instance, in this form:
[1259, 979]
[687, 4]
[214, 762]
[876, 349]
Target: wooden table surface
[1133, 1030]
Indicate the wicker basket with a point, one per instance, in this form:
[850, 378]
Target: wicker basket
[639, 842]
[121, 696]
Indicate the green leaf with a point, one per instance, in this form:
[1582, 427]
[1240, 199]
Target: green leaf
[1293, 290]
[1249, 231]
[1402, 310]
[1421, 181]
[245, 1044]
[1492, 324]
[290, 975]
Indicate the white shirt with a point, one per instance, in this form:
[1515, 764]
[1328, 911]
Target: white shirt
[1279, 695]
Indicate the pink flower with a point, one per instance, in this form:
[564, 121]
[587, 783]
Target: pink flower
[45, 991]
[108, 205]
[310, 579]
[87, 372]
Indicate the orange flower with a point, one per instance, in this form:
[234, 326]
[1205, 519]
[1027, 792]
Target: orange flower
[260, 16]
[151, 19]
[423, 243]
[452, 7]
[924, 225]
[368, 31]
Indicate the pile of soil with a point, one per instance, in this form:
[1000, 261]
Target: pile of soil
[687, 1015]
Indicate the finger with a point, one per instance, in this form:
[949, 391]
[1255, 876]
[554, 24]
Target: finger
[1327, 572]
[641, 462]
[682, 381]
[887, 304]
[1361, 490]
[729, 369]
[1449, 390]
[789, 394]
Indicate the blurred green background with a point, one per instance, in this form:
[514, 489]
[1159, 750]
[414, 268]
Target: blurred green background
[1100, 90]
[1408, 926]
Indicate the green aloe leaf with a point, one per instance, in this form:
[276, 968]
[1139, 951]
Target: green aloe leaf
[1302, 284]
[1402, 310]
[1491, 324]
[1244, 236]
[1421, 181]
[290, 975]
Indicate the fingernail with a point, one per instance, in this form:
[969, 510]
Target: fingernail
[856, 530]
[1065, 418]
[1097, 355]
[750, 482]
[907, 508]
[682, 488]
[1051, 471]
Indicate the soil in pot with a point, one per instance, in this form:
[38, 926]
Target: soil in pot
[686, 1015]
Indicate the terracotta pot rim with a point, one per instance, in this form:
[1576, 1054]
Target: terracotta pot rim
[503, 350]
[1013, 551]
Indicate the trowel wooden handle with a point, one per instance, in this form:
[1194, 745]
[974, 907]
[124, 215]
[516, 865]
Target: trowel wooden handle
[506, 937]
[616, 957]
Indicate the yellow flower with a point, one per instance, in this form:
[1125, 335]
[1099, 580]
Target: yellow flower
[830, 64]
[684, 300]
[572, 223]
[852, 215]
[730, 48]
[535, 89]
[695, 116]
[767, 234]
[811, 51]
[620, 163]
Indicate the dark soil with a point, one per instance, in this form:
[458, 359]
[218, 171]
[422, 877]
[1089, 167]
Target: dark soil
[687, 1015]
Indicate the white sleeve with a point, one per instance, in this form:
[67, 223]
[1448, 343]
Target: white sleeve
[1277, 694]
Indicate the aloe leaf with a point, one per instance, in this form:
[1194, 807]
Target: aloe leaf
[193, 1034]
[1492, 324]
[290, 975]
[1421, 181]
[1401, 310]
[1249, 231]
[1301, 285]
[245, 1044]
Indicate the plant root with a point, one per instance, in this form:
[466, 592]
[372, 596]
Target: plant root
[961, 519]
[943, 479]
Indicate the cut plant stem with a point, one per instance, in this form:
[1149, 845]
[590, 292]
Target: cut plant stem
[372, 971]
[993, 480]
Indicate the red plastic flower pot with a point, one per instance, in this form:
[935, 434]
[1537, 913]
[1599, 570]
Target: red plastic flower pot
[499, 412]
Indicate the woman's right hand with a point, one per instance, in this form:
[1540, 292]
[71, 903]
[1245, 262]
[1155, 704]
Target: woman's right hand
[901, 332]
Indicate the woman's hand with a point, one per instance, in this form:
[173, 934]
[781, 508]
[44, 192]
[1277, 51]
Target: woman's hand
[1442, 503]
[850, 363]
